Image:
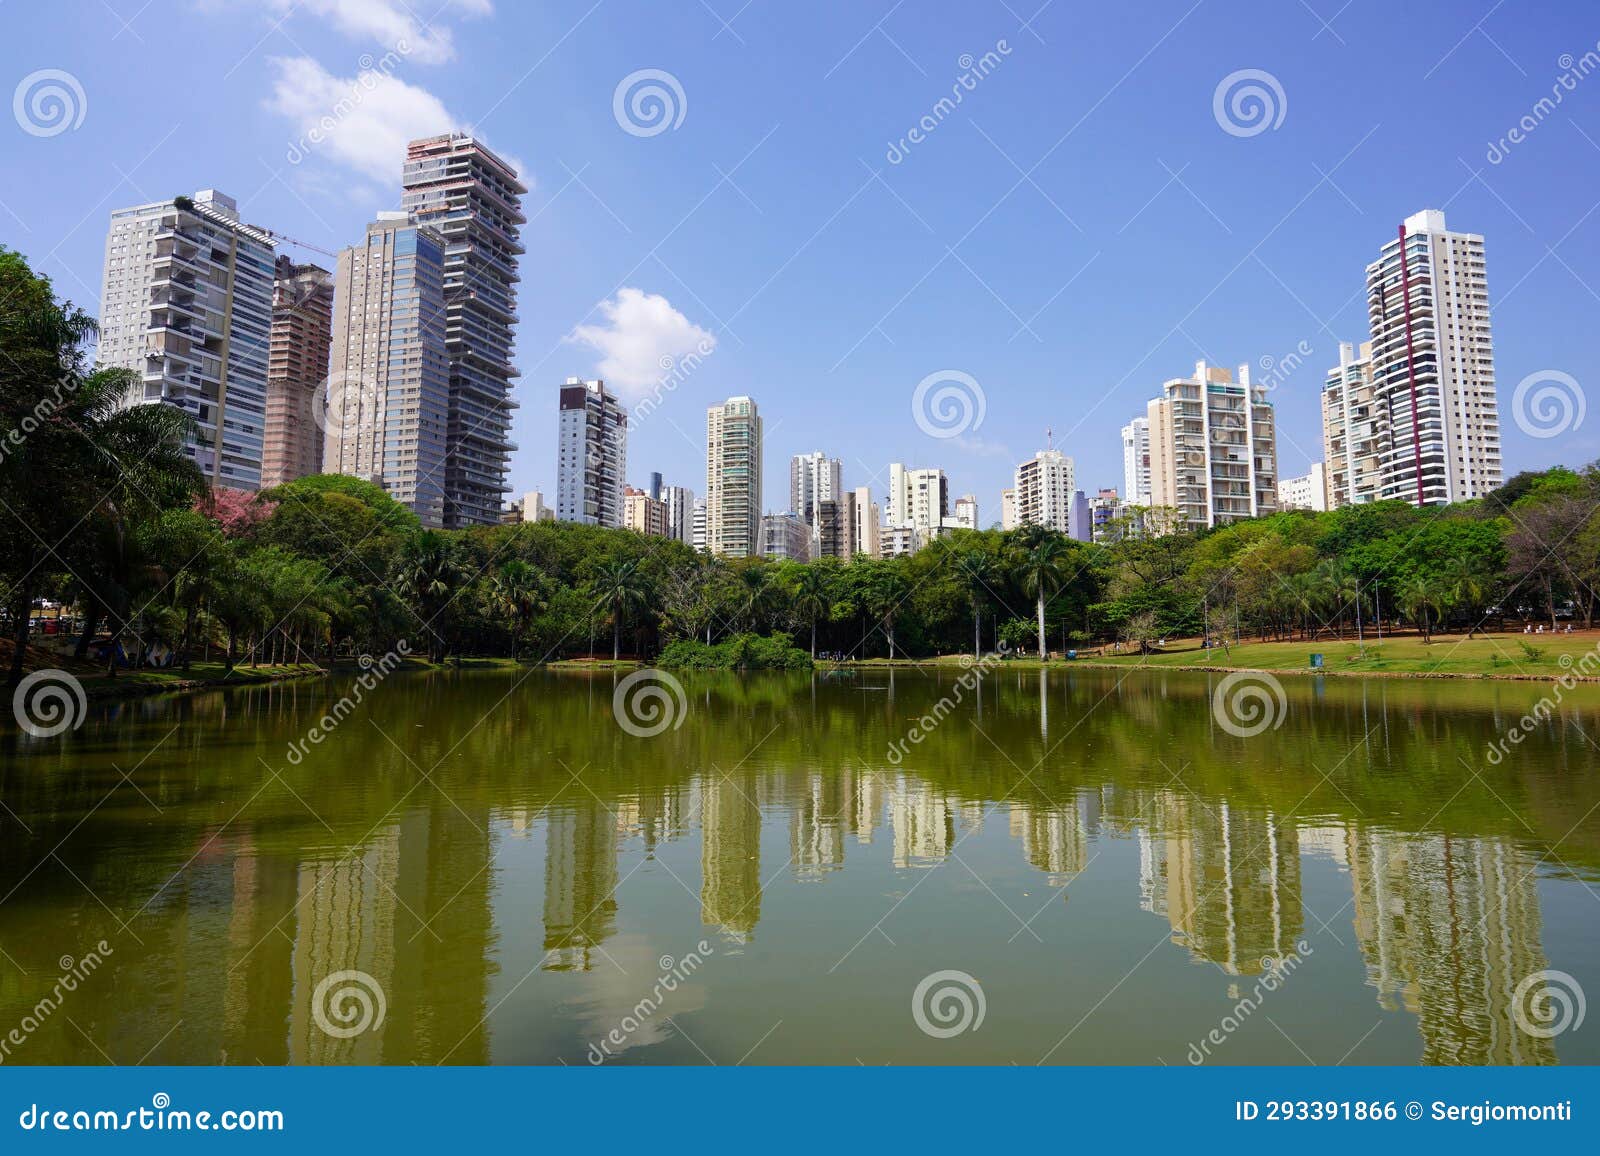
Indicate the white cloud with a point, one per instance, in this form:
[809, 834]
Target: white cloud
[642, 337]
[391, 23]
[363, 122]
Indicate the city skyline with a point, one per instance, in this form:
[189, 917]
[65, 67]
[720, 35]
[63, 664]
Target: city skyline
[1120, 283]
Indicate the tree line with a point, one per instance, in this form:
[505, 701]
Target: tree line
[101, 509]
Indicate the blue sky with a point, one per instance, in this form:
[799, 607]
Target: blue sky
[1077, 230]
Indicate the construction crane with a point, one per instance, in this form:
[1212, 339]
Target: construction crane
[283, 237]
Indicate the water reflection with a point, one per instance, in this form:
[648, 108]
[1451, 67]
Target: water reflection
[452, 849]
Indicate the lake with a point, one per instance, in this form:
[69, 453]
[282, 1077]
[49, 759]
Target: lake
[1081, 866]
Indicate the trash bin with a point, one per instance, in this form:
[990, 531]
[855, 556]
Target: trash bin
[1316, 662]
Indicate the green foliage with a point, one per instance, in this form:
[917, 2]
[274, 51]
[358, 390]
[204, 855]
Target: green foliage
[741, 652]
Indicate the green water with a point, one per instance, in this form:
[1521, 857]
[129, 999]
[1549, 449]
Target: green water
[523, 881]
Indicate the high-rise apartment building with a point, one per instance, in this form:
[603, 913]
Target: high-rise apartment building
[1433, 365]
[868, 521]
[733, 478]
[473, 198]
[833, 527]
[1213, 448]
[919, 499]
[965, 515]
[1353, 429]
[297, 366]
[643, 514]
[1043, 487]
[1008, 509]
[387, 402]
[680, 512]
[1136, 462]
[813, 478]
[785, 538]
[591, 454]
[697, 531]
[1307, 492]
[186, 303]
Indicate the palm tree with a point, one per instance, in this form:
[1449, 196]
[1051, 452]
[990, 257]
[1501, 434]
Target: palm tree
[1043, 566]
[518, 591]
[1465, 585]
[886, 590]
[1419, 600]
[813, 598]
[980, 576]
[429, 576]
[1346, 588]
[620, 587]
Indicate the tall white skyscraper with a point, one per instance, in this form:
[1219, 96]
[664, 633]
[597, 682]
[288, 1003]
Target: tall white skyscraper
[1354, 429]
[1136, 462]
[1213, 448]
[918, 499]
[1433, 364]
[813, 478]
[591, 454]
[388, 395]
[474, 199]
[186, 303]
[680, 513]
[868, 522]
[733, 478]
[1043, 487]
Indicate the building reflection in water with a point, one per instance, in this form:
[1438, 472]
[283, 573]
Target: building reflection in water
[730, 856]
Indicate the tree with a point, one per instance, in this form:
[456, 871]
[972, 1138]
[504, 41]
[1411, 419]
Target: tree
[813, 598]
[430, 576]
[619, 587]
[517, 590]
[1042, 559]
[1419, 600]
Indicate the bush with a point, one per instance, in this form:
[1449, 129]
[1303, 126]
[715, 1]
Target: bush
[741, 652]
